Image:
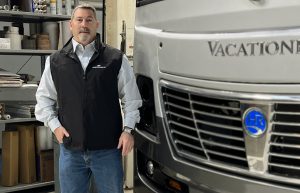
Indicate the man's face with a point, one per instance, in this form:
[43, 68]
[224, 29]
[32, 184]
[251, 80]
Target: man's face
[84, 26]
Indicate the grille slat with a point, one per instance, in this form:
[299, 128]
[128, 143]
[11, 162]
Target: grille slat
[226, 155]
[189, 145]
[285, 166]
[287, 123]
[287, 113]
[285, 155]
[177, 106]
[286, 134]
[195, 157]
[217, 116]
[223, 145]
[176, 97]
[220, 126]
[216, 106]
[284, 145]
[185, 135]
[183, 126]
[222, 136]
[180, 116]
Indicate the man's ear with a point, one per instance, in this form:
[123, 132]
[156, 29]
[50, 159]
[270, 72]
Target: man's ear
[70, 25]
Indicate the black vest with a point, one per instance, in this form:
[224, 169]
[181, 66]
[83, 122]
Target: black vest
[88, 102]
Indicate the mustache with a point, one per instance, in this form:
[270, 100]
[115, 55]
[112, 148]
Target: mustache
[84, 30]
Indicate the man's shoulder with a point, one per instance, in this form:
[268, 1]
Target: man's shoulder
[56, 56]
[109, 48]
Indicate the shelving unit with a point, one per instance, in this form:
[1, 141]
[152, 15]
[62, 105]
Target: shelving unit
[23, 93]
[26, 92]
[18, 120]
[26, 52]
[29, 17]
[25, 186]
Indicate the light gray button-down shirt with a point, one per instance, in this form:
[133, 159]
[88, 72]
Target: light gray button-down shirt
[46, 95]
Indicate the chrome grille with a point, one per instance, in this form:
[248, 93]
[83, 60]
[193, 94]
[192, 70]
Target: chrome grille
[284, 154]
[203, 127]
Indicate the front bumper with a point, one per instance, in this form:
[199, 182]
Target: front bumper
[197, 178]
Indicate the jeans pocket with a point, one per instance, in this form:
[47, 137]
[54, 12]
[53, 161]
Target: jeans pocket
[67, 141]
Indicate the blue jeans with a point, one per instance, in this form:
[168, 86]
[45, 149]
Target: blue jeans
[76, 168]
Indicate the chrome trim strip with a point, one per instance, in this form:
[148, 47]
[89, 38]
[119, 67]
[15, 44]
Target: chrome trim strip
[181, 125]
[147, 136]
[286, 113]
[221, 126]
[148, 184]
[223, 135]
[285, 156]
[286, 134]
[176, 97]
[193, 157]
[285, 166]
[189, 145]
[178, 115]
[185, 135]
[285, 145]
[224, 145]
[229, 95]
[226, 155]
[177, 106]
[286, 123]
[216, 106]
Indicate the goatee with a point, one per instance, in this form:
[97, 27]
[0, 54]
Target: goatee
[84, 37]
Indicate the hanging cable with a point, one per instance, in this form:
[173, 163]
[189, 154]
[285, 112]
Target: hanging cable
[24, 64]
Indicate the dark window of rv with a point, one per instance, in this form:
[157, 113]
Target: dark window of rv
[140, 3]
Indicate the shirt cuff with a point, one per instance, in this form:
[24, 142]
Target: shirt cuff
[129, 122]
[53, 124]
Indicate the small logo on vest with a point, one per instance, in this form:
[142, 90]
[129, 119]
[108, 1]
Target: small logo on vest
[99, 66]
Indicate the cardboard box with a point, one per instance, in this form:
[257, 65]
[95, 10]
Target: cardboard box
[27, 169]
[46, 165]
[10, 158]
[43, 138]
[5, 43]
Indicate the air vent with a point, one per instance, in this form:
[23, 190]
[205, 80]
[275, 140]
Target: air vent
[284, 156]
[203, 127]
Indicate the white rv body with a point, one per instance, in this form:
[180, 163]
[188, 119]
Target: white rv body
[221, 89]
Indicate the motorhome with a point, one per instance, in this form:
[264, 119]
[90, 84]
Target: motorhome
[220, 82]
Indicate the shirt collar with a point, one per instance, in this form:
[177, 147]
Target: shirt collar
[90, 46]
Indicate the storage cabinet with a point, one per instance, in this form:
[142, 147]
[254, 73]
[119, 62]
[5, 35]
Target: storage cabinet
[25, 93]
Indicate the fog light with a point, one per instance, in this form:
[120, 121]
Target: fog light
[174, 185]
[150, 168]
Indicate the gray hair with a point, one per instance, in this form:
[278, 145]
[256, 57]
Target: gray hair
[84, 6]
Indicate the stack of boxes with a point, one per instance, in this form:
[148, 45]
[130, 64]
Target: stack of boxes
[24, 160]
[1, 110]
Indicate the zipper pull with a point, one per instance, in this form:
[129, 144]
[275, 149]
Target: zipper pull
[84, 77]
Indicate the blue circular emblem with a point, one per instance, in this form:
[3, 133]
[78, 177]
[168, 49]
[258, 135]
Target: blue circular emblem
[255, 122]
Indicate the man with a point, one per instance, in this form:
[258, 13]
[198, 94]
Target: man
[86, 79]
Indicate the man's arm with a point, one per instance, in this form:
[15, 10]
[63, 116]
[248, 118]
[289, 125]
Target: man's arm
[45, 109]
[130, 101]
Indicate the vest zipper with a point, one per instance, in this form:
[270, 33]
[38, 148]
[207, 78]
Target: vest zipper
[84, 77]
